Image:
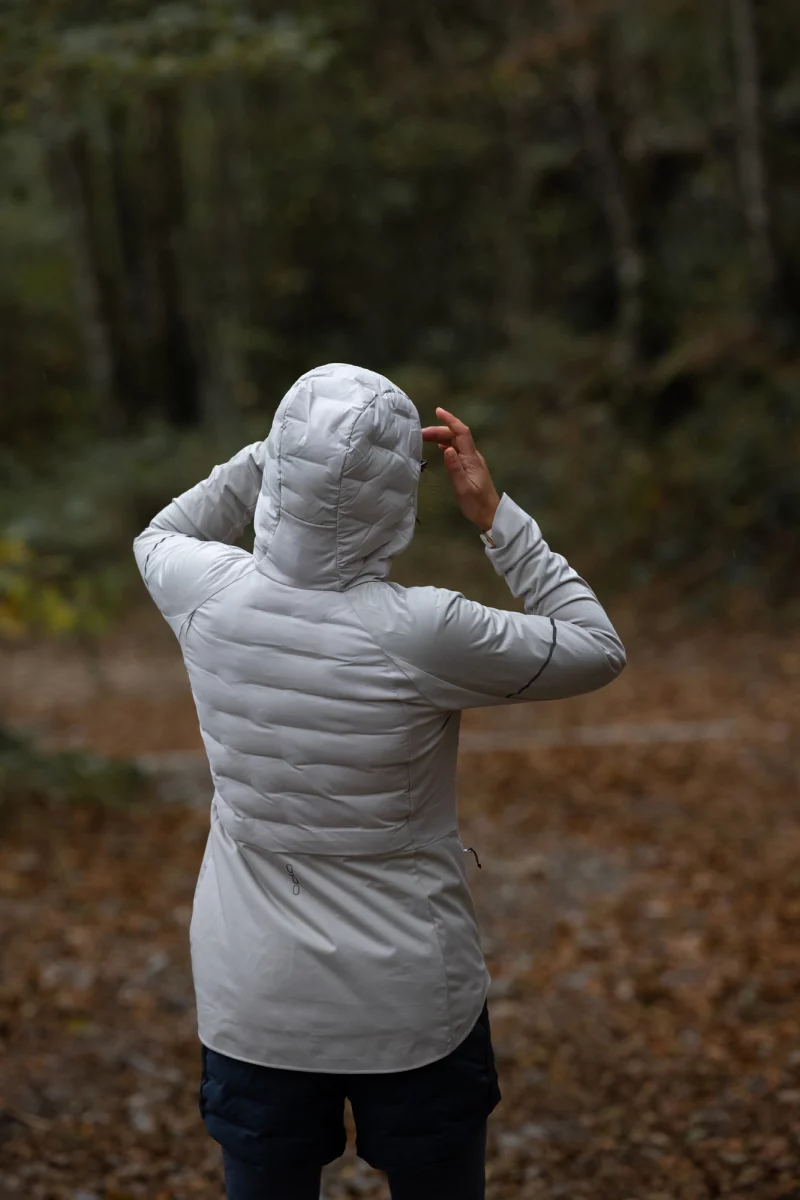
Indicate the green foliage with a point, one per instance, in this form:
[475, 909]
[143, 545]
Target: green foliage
[27, 602]
[575, 222]
[66, 562]
[152, 44]
[32, 777]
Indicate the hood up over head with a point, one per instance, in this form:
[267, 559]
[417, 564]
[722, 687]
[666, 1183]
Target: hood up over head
[339, 494]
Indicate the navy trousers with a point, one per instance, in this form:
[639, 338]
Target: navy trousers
[282, 1122]
[462, 1177]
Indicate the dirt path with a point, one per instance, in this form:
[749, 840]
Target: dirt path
[129, 695]
[640, 904]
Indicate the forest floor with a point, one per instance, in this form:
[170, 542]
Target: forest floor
[639, 900]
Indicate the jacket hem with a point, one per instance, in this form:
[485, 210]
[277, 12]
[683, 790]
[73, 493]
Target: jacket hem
[457, 1037]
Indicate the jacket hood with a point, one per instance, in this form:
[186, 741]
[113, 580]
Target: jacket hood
[338, 498]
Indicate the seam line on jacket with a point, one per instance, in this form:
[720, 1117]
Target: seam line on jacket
[533, 678]
[150, 554]
[390, 658]
[359, 414]
[396, 691]
[190, 616]
[401, 665]
[405, 852]
[279, 475]
[438, 936]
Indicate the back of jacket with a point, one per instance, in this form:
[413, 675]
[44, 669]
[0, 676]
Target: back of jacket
[333, 927]
[318, 741]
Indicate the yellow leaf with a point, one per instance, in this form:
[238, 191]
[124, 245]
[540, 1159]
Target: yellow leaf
[13, 552]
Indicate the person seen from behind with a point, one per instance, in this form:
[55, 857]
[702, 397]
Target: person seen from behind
[335, 949]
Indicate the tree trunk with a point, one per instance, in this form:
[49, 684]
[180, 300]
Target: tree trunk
[182, 395]
[516, 282]
[66, 157]
[139, 389]
[216, 267]
[749, 145]
[606, 161]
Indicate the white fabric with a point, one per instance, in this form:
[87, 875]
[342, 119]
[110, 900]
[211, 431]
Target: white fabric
[333, 928]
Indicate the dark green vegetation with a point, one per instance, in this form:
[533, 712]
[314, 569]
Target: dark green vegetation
[574, 222]
[37, 780]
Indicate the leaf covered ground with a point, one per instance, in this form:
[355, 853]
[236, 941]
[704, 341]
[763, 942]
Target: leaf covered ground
[640, 907]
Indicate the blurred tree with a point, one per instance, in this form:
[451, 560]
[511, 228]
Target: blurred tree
[576, 220]
[749, 143]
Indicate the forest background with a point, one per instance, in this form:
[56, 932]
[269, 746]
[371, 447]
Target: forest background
[572, 222]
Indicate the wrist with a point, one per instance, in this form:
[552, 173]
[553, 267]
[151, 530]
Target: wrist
[486, 519]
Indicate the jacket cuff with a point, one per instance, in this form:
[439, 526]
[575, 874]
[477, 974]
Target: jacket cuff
[513, 531]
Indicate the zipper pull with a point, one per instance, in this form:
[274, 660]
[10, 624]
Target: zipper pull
[294, 879]
[469, 850]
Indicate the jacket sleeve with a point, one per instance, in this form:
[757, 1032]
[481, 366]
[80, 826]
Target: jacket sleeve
[182, 553]
[461, 654]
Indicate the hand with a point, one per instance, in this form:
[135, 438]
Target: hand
[476, 495]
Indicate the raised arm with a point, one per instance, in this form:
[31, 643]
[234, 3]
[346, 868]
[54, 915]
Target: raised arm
[219, 508]
[461, 654]
[179, 553]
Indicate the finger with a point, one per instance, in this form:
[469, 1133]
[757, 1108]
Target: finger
[458, 475]
[453, 462]
[436, 433]
[452, 422]
[459, 432]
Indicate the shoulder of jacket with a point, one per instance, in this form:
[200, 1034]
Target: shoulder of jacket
[424, 598]
[396, 615]
[216, 558]
[192, 572]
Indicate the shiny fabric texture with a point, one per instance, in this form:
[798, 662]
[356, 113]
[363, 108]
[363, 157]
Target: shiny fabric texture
[333, 928]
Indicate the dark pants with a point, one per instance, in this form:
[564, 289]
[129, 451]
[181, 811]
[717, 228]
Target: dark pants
[425, 1127]
[461, 1177]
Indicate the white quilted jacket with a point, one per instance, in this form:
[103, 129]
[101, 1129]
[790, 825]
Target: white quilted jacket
[333, 928]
